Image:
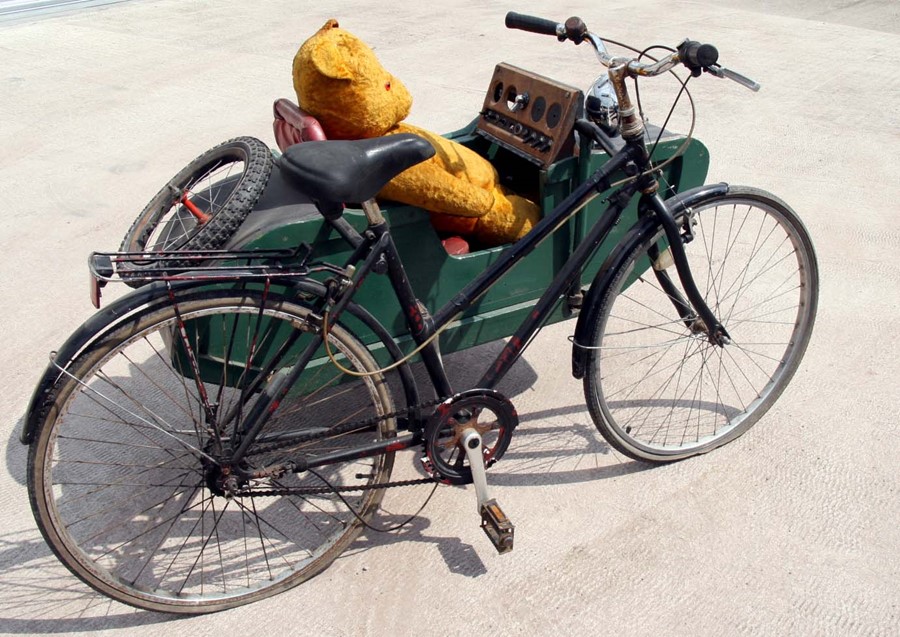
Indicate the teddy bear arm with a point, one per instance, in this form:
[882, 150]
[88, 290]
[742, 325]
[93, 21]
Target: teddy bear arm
[456, 159]
[430, 187]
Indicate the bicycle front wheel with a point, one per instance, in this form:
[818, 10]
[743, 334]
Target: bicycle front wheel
[123, 474]
[657, 389]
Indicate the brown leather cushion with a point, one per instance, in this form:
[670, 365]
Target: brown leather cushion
[293, 125]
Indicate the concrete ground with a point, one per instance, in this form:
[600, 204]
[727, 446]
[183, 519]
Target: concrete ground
[792, 529]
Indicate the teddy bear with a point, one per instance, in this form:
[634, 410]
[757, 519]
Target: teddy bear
[340, 82]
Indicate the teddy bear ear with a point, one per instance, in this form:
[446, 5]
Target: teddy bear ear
[327, 57]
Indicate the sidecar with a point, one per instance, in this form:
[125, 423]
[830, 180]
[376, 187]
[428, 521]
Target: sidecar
[504, 134]
[283, 218]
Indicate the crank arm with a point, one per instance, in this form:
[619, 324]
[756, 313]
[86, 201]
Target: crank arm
[471, 442]
[494, 522]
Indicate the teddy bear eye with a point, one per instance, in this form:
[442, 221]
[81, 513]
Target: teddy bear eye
[387, 86]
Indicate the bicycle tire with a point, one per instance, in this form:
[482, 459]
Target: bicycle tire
[659, 391]
[133, 511]
[224, 183]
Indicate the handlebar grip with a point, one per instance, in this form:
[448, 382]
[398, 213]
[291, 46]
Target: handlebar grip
[696, 55]
[532, 24]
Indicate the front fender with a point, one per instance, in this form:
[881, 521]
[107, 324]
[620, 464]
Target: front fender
[639, 232]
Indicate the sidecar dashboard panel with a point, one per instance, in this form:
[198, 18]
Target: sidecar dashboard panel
[531, 115]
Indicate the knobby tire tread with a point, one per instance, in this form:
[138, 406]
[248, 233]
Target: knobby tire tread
[221, 227]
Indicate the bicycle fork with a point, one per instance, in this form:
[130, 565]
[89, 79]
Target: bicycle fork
[701, 319]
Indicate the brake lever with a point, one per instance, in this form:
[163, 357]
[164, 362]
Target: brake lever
[722, 72]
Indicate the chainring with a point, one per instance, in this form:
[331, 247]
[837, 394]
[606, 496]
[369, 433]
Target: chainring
[487, 411]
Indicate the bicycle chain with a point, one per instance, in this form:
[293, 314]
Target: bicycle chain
[331, 489]
[342, 429]
[337, 430]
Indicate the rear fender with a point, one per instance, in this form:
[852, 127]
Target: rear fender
[89, 331]
[150, 296]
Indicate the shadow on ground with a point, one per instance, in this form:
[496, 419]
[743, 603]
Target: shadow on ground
[550, 447]
[39, 596]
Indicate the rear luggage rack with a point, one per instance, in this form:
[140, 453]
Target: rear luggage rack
[140, 268]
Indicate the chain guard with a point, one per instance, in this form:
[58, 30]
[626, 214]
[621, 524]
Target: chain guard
[487, 411]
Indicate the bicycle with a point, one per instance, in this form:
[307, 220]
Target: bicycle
[221, 434]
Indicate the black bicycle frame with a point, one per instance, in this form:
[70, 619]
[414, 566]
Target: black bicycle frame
[378, 244]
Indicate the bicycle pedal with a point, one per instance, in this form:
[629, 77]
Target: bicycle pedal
[497, 526]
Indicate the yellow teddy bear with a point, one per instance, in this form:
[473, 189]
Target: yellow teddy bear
[340, 82]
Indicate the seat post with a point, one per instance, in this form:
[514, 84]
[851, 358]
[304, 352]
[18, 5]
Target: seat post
[373, 212]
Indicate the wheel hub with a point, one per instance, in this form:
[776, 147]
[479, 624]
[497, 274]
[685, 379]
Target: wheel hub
[220, 480]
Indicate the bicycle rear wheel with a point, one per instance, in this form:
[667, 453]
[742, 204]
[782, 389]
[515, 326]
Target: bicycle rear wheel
[122, 475]
[657, 389]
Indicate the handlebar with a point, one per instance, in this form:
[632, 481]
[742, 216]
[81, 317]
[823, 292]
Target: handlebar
[695, 56]
[533, 24]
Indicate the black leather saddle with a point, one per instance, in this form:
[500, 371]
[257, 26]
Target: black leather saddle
[351, 171]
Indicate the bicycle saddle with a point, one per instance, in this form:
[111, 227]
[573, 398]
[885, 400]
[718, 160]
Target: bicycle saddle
[352, 171]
